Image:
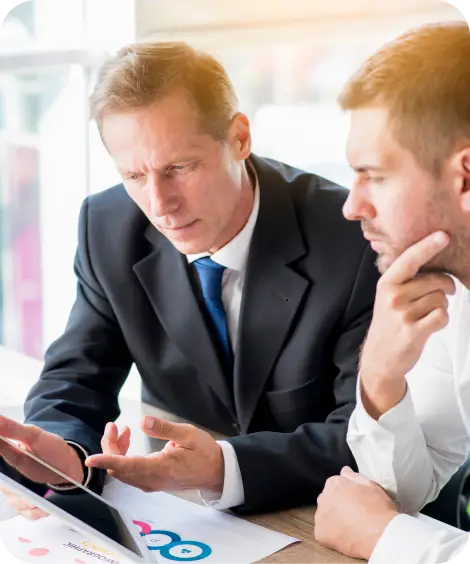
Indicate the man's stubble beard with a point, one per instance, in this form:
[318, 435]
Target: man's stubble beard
[453, 260]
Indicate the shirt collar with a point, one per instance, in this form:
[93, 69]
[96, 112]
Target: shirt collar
[235, 253]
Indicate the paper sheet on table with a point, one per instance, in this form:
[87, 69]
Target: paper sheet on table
[195, 532]
[51, 541]
[175, 530]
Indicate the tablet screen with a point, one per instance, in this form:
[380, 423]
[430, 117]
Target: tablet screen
[83, 505]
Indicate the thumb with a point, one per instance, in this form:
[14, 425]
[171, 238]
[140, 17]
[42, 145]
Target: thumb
[180, 433]
[124, 441]
[346, 471]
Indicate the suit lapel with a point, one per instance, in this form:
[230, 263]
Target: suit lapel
[272, 291]
[165, 278]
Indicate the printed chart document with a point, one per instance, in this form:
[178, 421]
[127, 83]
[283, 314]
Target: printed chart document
[174, 529]
[51, 541]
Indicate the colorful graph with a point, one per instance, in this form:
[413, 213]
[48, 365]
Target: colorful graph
[171, 546]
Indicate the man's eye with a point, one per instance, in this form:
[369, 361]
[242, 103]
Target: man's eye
[376, 179]
[177, 168]
[185, 168]
[134, 176]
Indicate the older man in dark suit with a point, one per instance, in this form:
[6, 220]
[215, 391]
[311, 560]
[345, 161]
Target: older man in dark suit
[233, 282]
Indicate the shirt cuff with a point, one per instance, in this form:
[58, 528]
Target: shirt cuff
[233, 493]
[87, 471]
[417, 540]
[402, 541]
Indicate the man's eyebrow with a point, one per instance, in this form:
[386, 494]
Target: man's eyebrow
[183, 158]
[367, 168]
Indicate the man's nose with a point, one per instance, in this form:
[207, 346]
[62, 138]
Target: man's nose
[357, 207]
[163, 199]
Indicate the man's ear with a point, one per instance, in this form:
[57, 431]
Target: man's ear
[460, 170]
[240, 136]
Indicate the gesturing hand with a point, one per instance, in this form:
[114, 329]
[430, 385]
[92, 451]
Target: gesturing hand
[191, 459]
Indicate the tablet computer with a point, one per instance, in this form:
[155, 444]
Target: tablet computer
[85, 511]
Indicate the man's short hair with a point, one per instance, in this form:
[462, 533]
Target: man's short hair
[423, 79]
[141, 74]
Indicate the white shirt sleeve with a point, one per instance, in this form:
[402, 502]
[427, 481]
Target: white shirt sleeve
[233, 493]
[415, 448]
[418, 540]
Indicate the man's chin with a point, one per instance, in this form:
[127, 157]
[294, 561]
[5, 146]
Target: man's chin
[189, 247]
[383, 263]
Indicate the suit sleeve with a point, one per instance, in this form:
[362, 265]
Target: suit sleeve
[77, 392]
[286, 469]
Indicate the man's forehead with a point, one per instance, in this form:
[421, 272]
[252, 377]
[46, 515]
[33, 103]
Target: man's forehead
[369, 156]
[128, 139]
[370, 142]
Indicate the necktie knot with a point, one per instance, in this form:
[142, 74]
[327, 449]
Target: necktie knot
[210, 275]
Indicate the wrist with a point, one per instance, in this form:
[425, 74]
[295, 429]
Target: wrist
[77, 471]
[379, 395]
[216, 484]
[377, 530]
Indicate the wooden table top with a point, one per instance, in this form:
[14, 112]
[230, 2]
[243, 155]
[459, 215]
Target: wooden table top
[18, 373]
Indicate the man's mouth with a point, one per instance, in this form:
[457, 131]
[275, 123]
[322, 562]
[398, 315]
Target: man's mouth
[180, 227]
[370, 236]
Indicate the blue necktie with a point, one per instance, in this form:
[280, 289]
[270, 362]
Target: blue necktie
[210, 275]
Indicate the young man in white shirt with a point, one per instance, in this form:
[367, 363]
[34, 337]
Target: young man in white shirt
[409, 145]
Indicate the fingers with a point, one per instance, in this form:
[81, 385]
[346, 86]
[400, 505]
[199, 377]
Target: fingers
[23, 507]
[133, 470]
[109, 440]
[33, 514]
[64, 458]
[13, 430]
[410, 261]
[114, 463]
[425, 305]
[124, 441]
[180, 433]
[426, 284]
[138, 471]
[111, 432]
[114, 443]
[107, 462]
[15, 458]
[436, 320]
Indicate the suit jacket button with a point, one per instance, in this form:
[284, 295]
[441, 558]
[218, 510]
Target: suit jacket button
[236, 428]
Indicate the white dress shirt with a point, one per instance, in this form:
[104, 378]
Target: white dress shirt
[233, 256]
[415, 448]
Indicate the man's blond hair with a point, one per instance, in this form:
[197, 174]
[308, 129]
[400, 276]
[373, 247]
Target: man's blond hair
[141, 74]
[423, 79]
